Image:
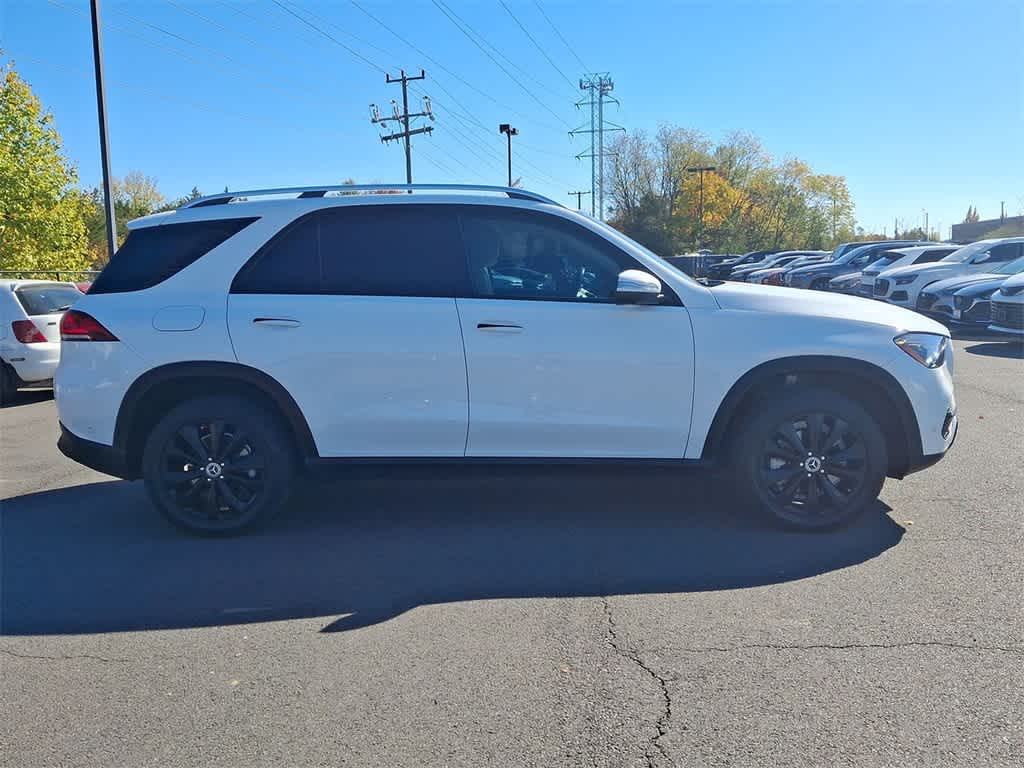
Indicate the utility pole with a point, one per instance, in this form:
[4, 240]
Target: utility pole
[701, 170]
[403, 117]
[509, 131]
[597, 86]
[1002, 210]
[925, 223]
[579, 199]
[895, 228]
[101, 110]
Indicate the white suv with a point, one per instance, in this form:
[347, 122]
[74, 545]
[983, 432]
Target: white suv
[247, 337]
[30, 312]
[902, 285]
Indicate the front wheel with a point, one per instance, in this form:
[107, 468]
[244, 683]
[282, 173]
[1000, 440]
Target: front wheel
[812, 459]
[218, 465]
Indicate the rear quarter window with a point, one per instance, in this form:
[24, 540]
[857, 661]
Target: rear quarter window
[152, 254]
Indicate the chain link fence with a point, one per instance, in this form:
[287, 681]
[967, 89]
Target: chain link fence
[61, 275]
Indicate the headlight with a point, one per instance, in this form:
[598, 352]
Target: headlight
[961, 302]
[846, 282]
[906, 280]
[929, 349]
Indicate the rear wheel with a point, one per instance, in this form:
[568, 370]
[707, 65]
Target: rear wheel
[218, 465]
[812, 459]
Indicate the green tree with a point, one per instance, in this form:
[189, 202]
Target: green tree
[750, 200]
[41, 213]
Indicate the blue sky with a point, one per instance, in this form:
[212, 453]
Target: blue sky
[919, 105]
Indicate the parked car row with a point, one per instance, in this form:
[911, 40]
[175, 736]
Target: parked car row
[956, 284]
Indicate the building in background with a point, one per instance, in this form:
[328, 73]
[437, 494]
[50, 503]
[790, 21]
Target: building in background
[1009, 226]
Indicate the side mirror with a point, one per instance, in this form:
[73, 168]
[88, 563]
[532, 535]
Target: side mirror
[638, 287]
[982, 258]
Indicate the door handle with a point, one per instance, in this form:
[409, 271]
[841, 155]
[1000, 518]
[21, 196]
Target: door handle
[279, 322]
[499, 327]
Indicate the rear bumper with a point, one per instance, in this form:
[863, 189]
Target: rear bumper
[103, 458]
[32, 362]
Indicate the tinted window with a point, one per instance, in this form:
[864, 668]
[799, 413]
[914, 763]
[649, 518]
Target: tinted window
[516, 254]
[933, 255]
[392, 250]
[152, 254]
[46, 299]
[373, 250]
[999, 254]
[289, 263]
[865, 257]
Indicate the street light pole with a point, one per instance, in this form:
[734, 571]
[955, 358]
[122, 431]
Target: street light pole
[701, 170]
[101, 110]
[509, 131]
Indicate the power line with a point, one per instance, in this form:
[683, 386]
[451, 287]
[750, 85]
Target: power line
[560, 37]
[537, 45]
[329, 36]
[440, 6]
[497, 51]
[205, 64]
[456, 75]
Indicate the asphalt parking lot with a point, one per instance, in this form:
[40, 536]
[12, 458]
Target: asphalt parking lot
[411, 617]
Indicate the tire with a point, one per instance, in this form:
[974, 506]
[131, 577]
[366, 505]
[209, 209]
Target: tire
[809, 459]
[8, 384]
[218, 465]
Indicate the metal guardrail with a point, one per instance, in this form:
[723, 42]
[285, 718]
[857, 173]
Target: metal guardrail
[61, 275]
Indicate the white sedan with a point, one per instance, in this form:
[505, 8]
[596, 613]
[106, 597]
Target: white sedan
[30, 312]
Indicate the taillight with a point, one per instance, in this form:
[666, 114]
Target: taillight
[26, 332]
[78, 326]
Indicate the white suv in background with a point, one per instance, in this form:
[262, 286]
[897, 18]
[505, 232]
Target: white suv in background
[901, 257]
[901, 285]
[247, 337]
[30, 312]
[1007, 307]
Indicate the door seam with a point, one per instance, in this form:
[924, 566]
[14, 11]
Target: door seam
[465, 364]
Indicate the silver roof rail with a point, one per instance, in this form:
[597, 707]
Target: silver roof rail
[320, 191]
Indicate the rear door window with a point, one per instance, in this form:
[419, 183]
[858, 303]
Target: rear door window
[150, 255]
[367, 250]
[44, 299]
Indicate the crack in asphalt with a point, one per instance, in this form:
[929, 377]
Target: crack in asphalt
[70, 657]
[851, 647]
[661, 725]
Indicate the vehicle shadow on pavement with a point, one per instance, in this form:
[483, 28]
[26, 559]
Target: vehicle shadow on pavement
[28, 397]
[377, 542]
[1011, 349]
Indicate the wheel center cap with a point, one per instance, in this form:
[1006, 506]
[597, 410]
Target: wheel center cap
[812, 464]
[213, 470]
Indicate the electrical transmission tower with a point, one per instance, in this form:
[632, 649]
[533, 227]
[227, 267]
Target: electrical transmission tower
[597, 87]
[403, 118]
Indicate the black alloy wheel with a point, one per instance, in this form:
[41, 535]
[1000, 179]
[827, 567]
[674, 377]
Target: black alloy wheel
[217, 465]
[812, 465]
[211, 470]
[814, 459]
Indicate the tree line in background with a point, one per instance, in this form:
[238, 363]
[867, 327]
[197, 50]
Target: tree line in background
[750, 200]
[46, 221]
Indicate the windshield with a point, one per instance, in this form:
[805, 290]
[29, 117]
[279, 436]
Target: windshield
[884, 262]
[964, 254]
[47, 298]
[1011, 267]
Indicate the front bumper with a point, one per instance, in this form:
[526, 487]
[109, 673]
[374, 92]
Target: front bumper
[103, 458]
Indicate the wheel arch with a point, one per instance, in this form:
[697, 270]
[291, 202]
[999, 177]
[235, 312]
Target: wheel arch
[865, 382]
[160, 388]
